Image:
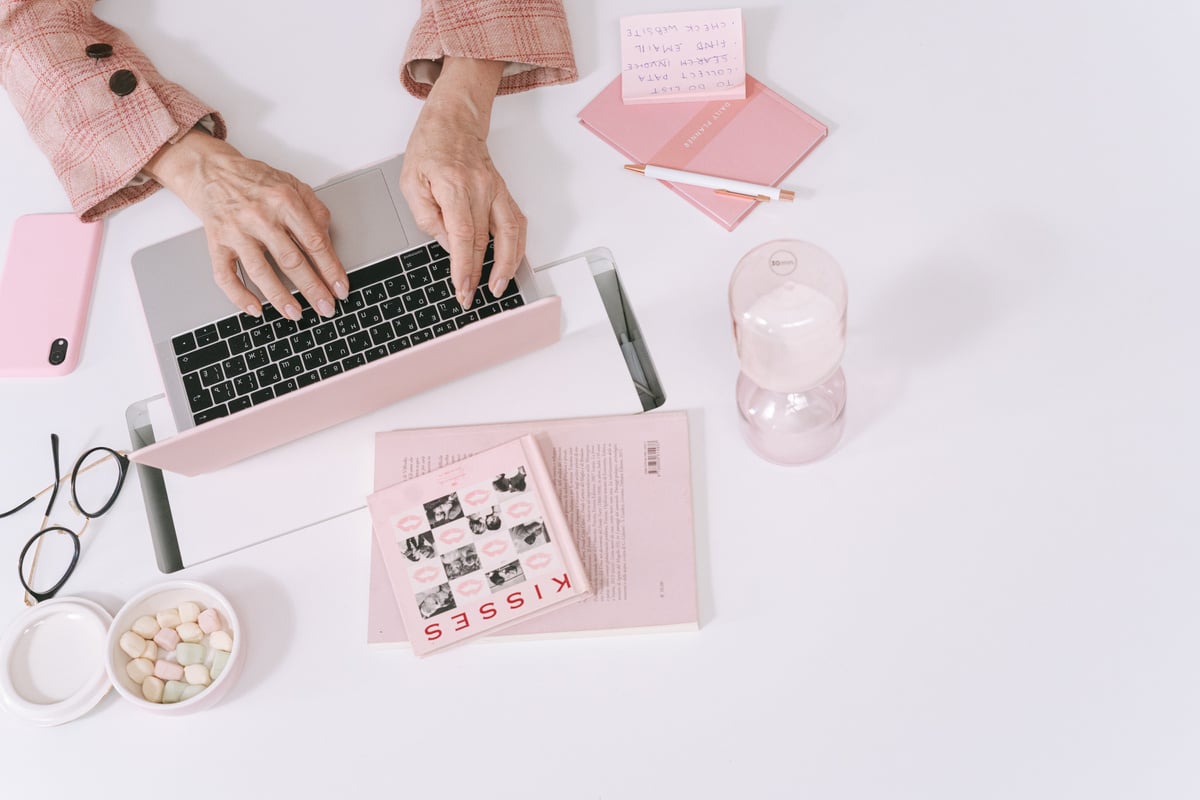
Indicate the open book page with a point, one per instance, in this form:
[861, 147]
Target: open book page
[624, 485]
[476, 545]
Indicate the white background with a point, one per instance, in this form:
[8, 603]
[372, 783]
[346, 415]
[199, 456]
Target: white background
[988, 591]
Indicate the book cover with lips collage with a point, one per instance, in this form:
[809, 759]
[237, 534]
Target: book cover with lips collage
[476, 546]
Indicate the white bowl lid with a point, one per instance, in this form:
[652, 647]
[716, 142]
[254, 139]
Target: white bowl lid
[52, 661]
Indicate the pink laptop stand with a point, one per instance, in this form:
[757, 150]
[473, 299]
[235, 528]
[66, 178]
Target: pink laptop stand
[368, 388]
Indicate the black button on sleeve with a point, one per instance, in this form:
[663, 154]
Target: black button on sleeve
[122, 82]
[99, 50]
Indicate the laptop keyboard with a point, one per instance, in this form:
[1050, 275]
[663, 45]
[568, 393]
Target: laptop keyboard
[403, 301]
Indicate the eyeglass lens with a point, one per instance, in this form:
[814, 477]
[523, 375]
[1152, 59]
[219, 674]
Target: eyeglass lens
[96, 480]
[47, 560]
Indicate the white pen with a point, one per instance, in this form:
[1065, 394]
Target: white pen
[725, 186]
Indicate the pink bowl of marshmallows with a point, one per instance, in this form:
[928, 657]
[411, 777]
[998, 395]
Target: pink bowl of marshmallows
[174, 648]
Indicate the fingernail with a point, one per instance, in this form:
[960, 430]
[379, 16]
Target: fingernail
[498, 285]
[339, 289]
[325, 307]
[253, 310]
[291, 311]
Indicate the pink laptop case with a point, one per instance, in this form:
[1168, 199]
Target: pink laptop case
[368, 388]
[760, 139]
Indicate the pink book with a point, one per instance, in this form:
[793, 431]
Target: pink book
[760, 139]
[476, 546]
[624, 484]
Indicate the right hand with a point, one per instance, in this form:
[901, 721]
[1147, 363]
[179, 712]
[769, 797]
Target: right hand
[249, 209]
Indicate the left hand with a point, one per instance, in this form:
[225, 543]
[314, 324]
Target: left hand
[455, 192]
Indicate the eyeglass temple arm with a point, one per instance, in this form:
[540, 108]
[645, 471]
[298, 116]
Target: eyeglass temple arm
[54, 453]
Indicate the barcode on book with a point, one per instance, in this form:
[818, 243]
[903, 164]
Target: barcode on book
[651, 448]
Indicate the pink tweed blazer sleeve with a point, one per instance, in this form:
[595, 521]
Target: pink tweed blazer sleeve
[531, 35]
[97, 141]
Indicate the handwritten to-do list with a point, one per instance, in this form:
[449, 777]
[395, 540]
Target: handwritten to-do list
[683, 57]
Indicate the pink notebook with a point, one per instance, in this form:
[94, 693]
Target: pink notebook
[476, 546]
[624, 484]
[760, 139]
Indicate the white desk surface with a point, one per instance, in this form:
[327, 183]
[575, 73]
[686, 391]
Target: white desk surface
[989, 591]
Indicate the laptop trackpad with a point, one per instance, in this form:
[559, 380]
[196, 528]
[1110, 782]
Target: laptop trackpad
[365, 227]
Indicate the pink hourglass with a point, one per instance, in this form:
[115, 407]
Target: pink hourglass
[788, 303]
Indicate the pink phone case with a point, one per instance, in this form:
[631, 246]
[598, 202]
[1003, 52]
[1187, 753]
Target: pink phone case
[45, 291]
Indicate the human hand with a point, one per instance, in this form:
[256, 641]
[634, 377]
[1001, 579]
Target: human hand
[249, 209]
[451, 184]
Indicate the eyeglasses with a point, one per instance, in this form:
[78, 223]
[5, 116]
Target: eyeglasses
[93, 492]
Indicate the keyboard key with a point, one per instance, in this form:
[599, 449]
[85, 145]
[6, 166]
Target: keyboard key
[223, 392]
[370, 317]
[428, 316]
[467, 319]
[391, 308]
[262, 396]
[337, 350]
[478, 301]
[437, 251]
[406, 324]
[270, 314]
[414, 300]
[490, 253]
[374, 273]
[267, 375]
[439, 291]
[423, 335]
[354, 302]
[374, 294]
[442, 328]
[488, 310]
[398, 344]
[420, 277]
[359, 341]
[234, 366]
[249, 322]
[448, 308]
[291, 367]
[229, 327]
[244, 384]
[356, 360]
[309, 319]
[512, 302]
[198, 359]
[302, 341]
[415, 258]
[206, 334]
[192, 383]
[262, 335]
[440, 269]
[184, 343]
[283, 387]
[238, 403]
[346, 325]
[329, 370]
[313, 359]
[323, 334]
[257, 358]
[510, 289]
[284, 328]
[216, 412]
[485, 274]
[279, 349]
[376, 353]
[307, 378]
[198, 401]
[396, 285]
[240, 343]
[382, 334]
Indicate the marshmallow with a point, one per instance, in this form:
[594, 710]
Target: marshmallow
[220, 658]
[190, 632]
[191, 691]
[139, 669]
[168, 618]
[167, 670]
[188, 612]
[173, 691]
[188, 654]
[221, 640]
[167, 638]
[152, 689]
[146, 626]
[210, 620]
[151, 652]
[196, 675]
[132, 644]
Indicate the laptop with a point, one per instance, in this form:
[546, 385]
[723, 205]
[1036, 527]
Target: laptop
[239, 385]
